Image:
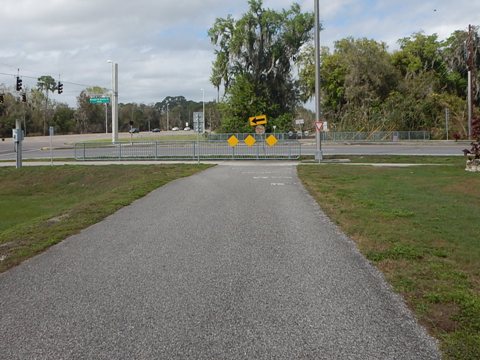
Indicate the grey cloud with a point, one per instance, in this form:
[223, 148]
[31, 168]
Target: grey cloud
[162, 47]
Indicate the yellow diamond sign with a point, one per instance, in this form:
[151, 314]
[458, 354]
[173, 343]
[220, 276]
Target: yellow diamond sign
[271, 140]
[250, 140]
[232, 141]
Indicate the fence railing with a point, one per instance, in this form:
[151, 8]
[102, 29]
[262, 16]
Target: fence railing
[377, 136]
[380, 136]
[188, 150]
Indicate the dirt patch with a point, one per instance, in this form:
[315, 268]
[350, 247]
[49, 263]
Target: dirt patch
[465, 187]
[6, 245]
[57, 219]
[441, 317]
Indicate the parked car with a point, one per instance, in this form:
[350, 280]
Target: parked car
[156, 130]
[187, 128]
[134, 130]
[175, 128]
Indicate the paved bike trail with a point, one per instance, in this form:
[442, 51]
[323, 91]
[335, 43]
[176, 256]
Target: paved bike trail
[237, 262]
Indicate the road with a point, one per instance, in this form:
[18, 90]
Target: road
[237, 262]
[37, 147]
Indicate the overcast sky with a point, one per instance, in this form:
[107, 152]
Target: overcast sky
[162, 47]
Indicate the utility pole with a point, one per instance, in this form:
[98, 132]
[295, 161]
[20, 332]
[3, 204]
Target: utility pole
[318, 151]
[471, 77]
[447, 116]
[203, 111]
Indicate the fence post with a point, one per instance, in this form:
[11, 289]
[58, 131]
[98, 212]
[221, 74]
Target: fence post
[119, 151]
[84, 156]
[156, 150]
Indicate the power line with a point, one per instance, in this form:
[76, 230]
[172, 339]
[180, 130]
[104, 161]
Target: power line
[36, 78]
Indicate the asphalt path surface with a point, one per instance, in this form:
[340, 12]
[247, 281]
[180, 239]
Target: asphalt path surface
[237, 262]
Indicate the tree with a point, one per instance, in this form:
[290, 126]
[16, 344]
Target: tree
[431, 81]
[46, 83]
[88, 117]
[364, 87]
[63, 119]
[255, 54]
[9, 111]
[356, 79]
[456, 52]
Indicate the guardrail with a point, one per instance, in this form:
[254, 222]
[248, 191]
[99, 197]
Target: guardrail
[188, 150]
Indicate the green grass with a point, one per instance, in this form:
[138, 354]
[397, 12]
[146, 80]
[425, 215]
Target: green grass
[395, 159]
[41, 206]
[421, 227]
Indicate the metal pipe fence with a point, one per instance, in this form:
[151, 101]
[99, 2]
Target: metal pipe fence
[188, 150]
[377, 136]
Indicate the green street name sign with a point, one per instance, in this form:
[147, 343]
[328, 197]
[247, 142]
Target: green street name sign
[100, 100]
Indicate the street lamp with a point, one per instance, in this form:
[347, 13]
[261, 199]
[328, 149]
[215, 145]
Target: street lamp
[114, 101]
[318, 151]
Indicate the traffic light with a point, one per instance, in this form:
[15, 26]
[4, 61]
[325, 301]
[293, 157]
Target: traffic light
[60, 87]
[19, 84]
[24, 97]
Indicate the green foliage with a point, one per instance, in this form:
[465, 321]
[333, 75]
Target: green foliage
[283, 123]
[419, 53]
[365, 88]
[254, 59]
[180, 111]
[63, 119]
[88, 117]
[46, 83]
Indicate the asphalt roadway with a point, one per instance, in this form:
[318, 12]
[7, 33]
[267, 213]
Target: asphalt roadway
[237, 262]
[37, 147]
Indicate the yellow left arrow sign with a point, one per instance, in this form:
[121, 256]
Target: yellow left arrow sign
[258, 120]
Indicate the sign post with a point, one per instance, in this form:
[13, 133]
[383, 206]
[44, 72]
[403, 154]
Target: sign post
[17, 138]
[50, 131]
